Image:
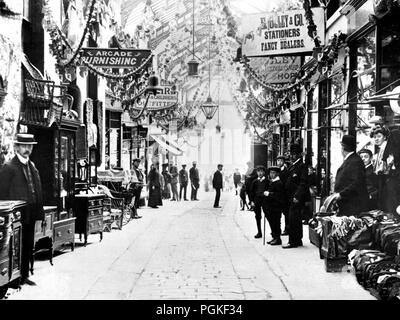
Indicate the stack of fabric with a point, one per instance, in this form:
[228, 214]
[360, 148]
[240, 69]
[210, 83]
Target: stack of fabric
[377, 272]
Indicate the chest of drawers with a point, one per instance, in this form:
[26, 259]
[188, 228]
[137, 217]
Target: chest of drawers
[88, 210]
[10, 242]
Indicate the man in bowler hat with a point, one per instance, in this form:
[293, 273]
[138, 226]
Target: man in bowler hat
[217, 185]
[350, 189]
[297, 192]
[20, 180]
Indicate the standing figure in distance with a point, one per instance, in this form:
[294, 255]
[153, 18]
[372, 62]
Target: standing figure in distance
[183, 182]
[20, 180]
[194, 180]
[217, 185]
[154, 184]
[174, 182]
[236, 180]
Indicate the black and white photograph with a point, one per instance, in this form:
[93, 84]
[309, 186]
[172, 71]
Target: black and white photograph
[199, 154]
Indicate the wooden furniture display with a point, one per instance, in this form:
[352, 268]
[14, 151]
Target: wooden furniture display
[114, 208]
[88, 210]
[44, 234]
[10, 243]
[54, 157]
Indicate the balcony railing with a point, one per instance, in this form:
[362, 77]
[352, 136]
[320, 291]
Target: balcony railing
[45, 103]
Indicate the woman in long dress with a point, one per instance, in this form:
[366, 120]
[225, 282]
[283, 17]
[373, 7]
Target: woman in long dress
[154, 188]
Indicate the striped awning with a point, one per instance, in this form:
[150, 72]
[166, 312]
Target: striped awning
[161, 140]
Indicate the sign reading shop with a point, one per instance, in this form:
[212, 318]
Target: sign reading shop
[276, 69]
[114, 58]
[280, 33]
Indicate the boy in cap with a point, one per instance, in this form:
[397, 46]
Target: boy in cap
[260, 185]
[371, 178]
[275, 202]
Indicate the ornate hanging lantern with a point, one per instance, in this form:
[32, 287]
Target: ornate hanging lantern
[209, 108]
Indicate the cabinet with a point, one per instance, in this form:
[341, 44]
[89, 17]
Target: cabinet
[55, 158]
[88, 210]
[10, 242]
[43, 238]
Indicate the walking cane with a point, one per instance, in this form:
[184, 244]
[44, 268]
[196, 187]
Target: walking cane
[264, 232]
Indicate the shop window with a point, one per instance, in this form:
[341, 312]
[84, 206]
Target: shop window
[390, 58]
[366, 69]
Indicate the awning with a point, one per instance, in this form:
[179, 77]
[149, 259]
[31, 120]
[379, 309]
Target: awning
[166, 146]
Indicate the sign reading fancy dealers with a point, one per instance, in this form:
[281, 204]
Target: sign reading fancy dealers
[280, 33]
[114, 58]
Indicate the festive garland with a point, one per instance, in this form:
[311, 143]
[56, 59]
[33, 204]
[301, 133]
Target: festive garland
[118, 77]
[312, 28]
[56, 34]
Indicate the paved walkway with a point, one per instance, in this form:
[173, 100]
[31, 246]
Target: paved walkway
[188, 250]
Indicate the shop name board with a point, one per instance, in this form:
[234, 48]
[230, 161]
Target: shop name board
[276, 69]
[164, 99]
[114, 58]
[280, 33]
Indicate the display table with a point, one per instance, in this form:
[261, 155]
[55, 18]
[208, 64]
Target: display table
[10, 242]
[88, 210]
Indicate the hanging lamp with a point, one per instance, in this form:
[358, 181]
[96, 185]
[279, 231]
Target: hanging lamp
[193, 65]
[209, 107]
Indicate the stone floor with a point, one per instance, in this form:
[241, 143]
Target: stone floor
[188, 250]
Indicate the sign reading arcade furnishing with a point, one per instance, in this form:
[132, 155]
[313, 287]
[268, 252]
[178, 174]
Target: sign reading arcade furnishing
[114, 58]
[280, 33]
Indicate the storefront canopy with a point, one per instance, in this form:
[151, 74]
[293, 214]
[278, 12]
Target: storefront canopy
[163, 142]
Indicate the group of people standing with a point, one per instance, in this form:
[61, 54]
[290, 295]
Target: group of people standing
[164, 185]
[281, 189]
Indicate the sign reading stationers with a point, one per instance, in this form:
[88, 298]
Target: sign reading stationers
[280, 33]
[114, 58]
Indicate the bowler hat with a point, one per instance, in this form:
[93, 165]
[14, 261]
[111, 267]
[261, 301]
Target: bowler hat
[184, 165]
[295, 148]
[25, 138]
[274, 168]
[261, 168]
[349, 141]
[367, 151]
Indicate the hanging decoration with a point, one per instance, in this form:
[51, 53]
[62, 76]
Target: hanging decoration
[312, 28]
[58, 38]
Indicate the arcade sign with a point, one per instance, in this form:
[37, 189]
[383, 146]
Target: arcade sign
[280, 33]
[114, 58]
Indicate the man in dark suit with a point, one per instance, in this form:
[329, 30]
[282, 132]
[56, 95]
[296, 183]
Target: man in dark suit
[183, 182]
[20, 180]
[371, 178]
[260, 185]
[350, 189]
[283, 175]
[298, 193]
[194, 180]
[217, 185]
